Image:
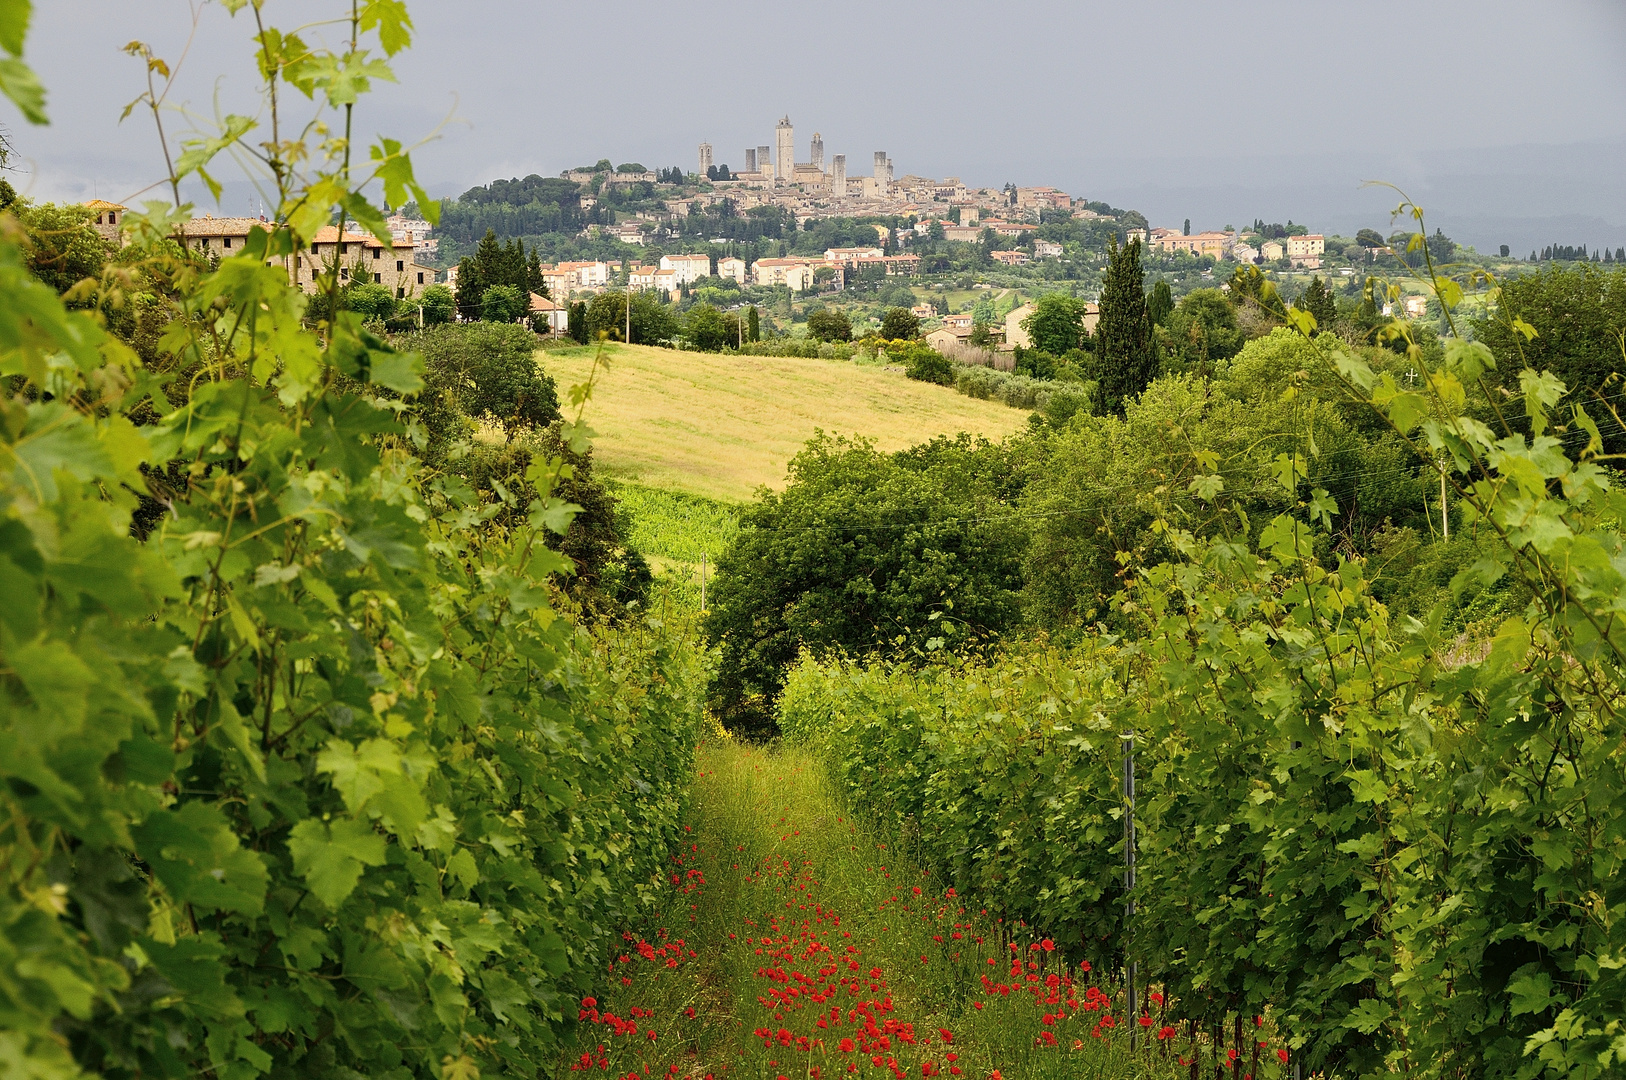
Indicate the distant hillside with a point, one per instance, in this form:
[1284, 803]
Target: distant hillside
[720, 426]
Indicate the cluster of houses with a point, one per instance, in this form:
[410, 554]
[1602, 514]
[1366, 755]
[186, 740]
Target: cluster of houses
[797, 272]
[359, 256]
[1302, 252]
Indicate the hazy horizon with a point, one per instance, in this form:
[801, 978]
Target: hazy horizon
[1507, 129]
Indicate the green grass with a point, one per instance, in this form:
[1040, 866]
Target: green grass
[721, 426]
[783, 910]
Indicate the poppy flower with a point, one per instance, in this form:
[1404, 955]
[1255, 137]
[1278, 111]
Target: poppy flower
[1281, 1056]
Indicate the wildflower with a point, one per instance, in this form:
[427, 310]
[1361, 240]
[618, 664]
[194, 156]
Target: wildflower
[845, 1046]
[948, 1036]
[1145, 1021]
[1047, 945]
[1281, 1055]
[1165, 1032]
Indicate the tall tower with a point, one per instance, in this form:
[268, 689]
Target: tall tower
[818, 152]
[764, 162]
[785, 162]
[750, 159]
[705, 158]
[883, 173]
[838, 176]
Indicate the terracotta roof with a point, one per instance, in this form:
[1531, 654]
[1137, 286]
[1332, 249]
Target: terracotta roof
[103, 204]
[542, 303]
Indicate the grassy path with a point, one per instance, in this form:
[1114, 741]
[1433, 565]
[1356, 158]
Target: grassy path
[794, 944]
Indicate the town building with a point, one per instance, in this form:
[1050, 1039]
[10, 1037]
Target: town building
[1010, 258]
[1047, 249]
[958, 321]
[1216, 244]
[923, 311]
[785, 160]
[1271, 250]
[688, 268]
[965, 234]
[555, 316]
[642, 277]
[1304, 252]
[816, 158]
[733, 268]
[705, 159]
[946, 338]
[109, 219]
[838, 176]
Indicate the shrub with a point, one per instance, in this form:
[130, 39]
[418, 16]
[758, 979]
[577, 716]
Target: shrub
[829, 326]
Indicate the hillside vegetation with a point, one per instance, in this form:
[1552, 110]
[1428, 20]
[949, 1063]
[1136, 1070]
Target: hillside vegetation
[721, 426]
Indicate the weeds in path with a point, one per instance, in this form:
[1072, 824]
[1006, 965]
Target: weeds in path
[795, 944]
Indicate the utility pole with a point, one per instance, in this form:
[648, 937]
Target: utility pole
[628, 264]
[1131, 1007]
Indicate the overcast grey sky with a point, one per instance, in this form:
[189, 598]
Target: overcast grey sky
[1506, 119]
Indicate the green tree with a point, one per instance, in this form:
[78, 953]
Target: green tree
[1369, 238]
[371, 300]
[63, 247]
[753, 325]
[1201, 330]
[476, 273]
[1125, 359]
[828, 325]
[1160, 304]
[704, 328]
[859, 550]
[439, 305]
[487, 371]
[1320, 303]
[1056, 323]
[503, 304]
[900, 324]
[1578, 313]
[652, 321]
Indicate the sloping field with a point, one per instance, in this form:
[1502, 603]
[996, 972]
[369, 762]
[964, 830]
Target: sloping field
[719, 426]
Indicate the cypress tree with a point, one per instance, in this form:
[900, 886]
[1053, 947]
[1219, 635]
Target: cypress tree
[1125, 360]
[477, 273]
[1161, 304]
[1318, 301]
[753, 325]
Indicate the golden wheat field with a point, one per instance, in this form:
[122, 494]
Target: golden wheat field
[720, 426]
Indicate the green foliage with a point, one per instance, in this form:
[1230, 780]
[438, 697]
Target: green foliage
[829, 325]
[1125, 359]
[900, 324]
[1200, 332]
[1160, 304]
[496, 265]
[485, 371]
[370, 300]
[1406, 844]
[316, 780]
[439, 306]
[1057, 323]
[704, 329]
[63, 247]
[503, 304]
[924, 363]
[1319, 302]
[753, 325]
[652, 321]
[1578, 315]
[862, 550]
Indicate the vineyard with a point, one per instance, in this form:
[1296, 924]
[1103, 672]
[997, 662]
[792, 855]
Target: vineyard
[337, 742]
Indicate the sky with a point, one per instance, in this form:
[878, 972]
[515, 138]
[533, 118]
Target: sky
[1505, 120]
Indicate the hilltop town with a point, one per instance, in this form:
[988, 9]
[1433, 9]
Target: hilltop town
[792, 236]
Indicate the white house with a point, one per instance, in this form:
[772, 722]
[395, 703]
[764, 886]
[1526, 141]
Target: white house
[733, 268]
[688, 268]
[556, 316]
